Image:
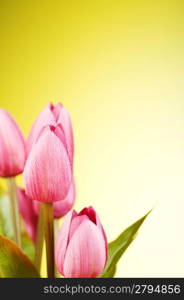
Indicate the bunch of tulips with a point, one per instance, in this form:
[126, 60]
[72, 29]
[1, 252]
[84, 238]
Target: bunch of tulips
[79, 248]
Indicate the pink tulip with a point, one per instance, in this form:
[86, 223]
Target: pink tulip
[61, 208]
[28, 214]
[53, 115]
[48, 173]
[81, 248]
[12, 147]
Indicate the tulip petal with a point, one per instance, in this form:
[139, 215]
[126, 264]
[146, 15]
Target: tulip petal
[56, 109]
[86, 253]
[27, 213]
[59, 132]
[61, 208]
[77, 220]
[99, 225]
[90, 212]
[92, 215]
[62, 240]
[12, 150]
[64, 120]
[47, 174]
[45, 118]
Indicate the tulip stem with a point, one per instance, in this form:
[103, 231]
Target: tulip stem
[12, 191]
[39, 239]
[49, 238]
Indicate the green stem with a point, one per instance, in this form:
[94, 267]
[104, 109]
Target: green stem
[49, 237]
[12, 191]
[39, 239]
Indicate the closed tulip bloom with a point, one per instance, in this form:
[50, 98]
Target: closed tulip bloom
[12, 147]
[53, 115]
[60, 208]
[47, 173]
[28, 214]
[81, 248]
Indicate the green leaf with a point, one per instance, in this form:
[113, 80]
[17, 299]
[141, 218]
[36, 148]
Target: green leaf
[28, 246]
[13, 262]
[117, 247]
[110, 272]
[6, 227]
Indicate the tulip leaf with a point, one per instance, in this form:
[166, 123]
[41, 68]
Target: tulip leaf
[28, 246]
[6, 226]
[110, 272]
[13, 262]
[117, 247]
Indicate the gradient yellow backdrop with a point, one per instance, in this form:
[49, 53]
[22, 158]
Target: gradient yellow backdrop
[118, 66]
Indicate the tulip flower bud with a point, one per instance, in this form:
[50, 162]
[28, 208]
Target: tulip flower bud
[60, 208]
[47, 173]
[28, 214]
[53, 115]
[12, 147]
[81, 248]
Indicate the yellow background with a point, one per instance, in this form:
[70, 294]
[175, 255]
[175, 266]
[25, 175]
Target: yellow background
[118, 66]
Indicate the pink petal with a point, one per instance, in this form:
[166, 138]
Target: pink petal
[77, 220]
[59, 132]
[62, 207]
[45, 118]
[47, 174]
[90, 212]
[56, 109]
[99, 225]
[92, 215]
[36, 206]
[12, 150]
[27, 213]
[62, 240]
[86, 253]
[64, 120]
